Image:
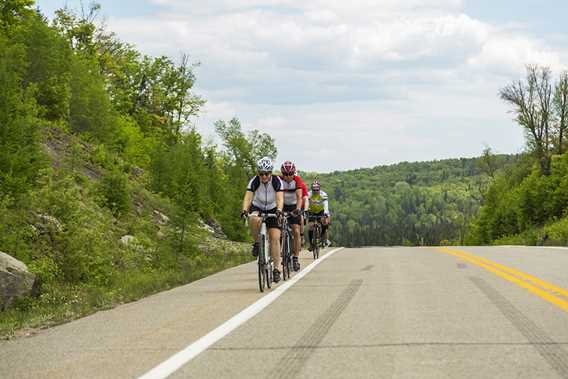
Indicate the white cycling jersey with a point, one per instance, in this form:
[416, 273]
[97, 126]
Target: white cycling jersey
[264, 197]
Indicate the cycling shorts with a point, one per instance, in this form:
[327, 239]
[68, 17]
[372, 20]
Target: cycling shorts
[271, 222]
[292, 220]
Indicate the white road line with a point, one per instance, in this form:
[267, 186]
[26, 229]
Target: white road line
[533, 247]
[176, 361]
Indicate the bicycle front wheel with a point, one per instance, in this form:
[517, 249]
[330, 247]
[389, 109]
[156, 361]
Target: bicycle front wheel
[261, 274]
[268, 272]
[285, 254]
[317, 241]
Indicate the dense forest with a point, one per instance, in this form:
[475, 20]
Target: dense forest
[103, 179]
[528, 203]
[421, 203]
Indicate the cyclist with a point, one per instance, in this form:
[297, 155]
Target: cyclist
[294, 190]
[264, 193]
[318, 207]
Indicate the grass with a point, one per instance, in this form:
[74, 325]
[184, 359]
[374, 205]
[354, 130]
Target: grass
[62, 303]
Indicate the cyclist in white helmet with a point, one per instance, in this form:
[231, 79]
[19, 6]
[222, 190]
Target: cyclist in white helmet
[318, 207]
[264, 194]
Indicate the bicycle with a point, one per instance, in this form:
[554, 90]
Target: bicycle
[264, 261]
[286, 243]
[317, 241]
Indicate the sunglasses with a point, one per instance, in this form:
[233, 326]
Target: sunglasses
[264, 173]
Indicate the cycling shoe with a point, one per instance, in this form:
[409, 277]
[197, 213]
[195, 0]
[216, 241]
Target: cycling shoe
[295, 264]
[275, 276]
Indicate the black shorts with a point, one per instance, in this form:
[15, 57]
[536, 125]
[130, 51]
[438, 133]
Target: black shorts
[292, 220]
[312, 217]
[271, 222]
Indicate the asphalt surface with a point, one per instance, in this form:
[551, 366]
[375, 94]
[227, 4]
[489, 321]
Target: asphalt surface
[469, 312]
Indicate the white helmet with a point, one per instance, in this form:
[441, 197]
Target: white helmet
[264, 164]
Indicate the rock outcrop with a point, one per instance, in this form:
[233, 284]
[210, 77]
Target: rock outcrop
[15, 280]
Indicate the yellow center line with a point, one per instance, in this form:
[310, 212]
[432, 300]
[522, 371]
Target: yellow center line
[516, 278]
[522, 275]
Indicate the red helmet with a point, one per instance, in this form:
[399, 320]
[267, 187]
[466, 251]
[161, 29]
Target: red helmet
[316, 185]
[288, 168]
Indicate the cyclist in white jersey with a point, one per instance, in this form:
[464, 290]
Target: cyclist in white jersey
[264, 194]
[319, 207]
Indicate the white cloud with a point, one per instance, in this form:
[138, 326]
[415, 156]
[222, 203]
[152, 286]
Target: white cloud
[380, 78]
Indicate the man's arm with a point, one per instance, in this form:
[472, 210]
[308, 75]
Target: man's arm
[280, 200]
[298, 198]
[247, 201]
[325, 204]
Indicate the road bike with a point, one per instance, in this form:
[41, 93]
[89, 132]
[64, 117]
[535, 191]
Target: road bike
[286, 246]
[317, 234]
[264, 261]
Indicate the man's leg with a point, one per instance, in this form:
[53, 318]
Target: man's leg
[311, 235]
[297, 247]
[297, 239]
[301, 231]
[324, 233]
[254, 223]
[274, 234]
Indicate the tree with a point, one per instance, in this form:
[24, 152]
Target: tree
[532, 106]
[20, 154]
[12, 12]
[245, 150]
[560, 105]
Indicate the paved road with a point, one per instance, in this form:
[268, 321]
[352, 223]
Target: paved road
[374, 312]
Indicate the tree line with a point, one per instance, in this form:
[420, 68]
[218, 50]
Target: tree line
[97, 142]
[421, 203]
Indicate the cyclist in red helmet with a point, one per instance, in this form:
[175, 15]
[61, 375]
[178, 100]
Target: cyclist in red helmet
[295, 193]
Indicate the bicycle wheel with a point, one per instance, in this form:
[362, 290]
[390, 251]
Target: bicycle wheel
[285, 255]
[289, 254]
[317, 237]
[267, 273]
[260, 276]
[289, 258]
[268, 276]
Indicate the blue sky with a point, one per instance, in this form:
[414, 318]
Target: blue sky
[343, 85]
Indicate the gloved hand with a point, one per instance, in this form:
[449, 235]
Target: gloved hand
[244, 213]
[296, 212]
[279, 216]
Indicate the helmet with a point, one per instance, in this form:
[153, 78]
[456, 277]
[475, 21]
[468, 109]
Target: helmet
[316, 185]
[264, 164]
[288, 168]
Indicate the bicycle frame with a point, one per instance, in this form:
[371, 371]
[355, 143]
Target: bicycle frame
[286, 240]
[317, 233]
[265, 263]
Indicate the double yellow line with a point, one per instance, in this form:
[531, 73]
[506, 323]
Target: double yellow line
[547, 291]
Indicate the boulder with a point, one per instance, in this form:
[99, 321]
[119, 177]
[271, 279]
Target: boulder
[15, 280]
[127, 239]
[48, 221]
[215, 229]
[137, 172]
[161, 218]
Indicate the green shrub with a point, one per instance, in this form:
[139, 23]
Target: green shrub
[113, 191]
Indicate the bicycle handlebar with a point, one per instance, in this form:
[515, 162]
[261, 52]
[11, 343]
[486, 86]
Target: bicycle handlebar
[261, 214]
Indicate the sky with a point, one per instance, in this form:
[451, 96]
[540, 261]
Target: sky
[349, 84]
